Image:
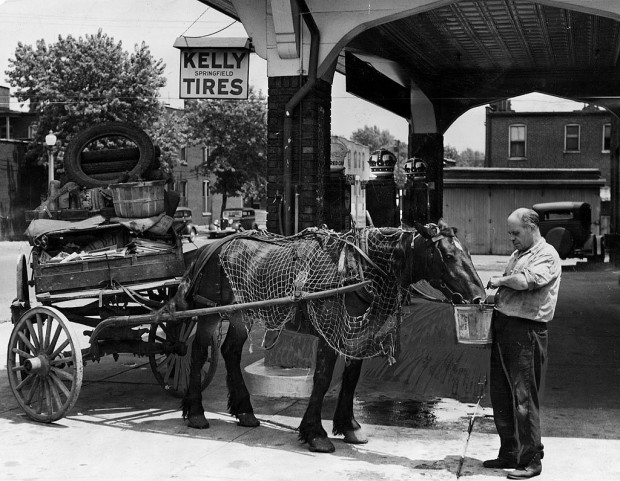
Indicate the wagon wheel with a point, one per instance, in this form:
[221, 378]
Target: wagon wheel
[44, 364]
[172, 369]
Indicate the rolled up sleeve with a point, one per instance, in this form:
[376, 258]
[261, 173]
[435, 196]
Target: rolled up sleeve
[541, 271]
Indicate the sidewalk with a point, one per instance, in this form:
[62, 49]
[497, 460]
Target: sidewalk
[125, 427]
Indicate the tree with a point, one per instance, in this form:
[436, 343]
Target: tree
[235, 134]
[470, 158]
[450, 152]
[374, 138]
[77, 82]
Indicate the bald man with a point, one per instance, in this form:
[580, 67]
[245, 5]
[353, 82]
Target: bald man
[524, 304]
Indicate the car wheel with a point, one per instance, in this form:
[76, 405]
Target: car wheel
[192, 235]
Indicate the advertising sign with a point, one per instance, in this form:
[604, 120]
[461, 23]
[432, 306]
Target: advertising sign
[213, 72]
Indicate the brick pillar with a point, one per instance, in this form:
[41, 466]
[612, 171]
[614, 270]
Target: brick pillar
[310, 150]
[429, 148]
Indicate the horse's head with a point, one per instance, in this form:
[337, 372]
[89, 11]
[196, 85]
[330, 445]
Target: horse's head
[441, 259]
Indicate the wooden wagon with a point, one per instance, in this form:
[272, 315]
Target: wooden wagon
[120, 297]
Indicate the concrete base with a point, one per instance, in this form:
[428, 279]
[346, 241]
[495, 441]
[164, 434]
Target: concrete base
[262, 380]
[294, 382]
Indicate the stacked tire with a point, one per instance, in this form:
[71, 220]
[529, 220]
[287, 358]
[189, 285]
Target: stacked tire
[109, 153]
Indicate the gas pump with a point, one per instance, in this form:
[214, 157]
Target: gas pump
[416, 204]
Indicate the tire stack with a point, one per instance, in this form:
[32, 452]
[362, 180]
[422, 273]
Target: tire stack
[110, 153]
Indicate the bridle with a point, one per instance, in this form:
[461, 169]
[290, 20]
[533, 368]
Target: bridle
[438, 283]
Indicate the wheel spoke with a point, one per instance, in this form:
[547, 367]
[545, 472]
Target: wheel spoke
[33, 390]
[48, 397]
[33, 335]
[54, 394]
[40, 336]
[166, 368]
[62, 374]
[177, 372]
[54, 340]
[23, 354]
[48, 333]
[182, 331]
[60, 384]
[41, 397]
[27, 380]
[65, 343]
[62, 360]
[26, 341]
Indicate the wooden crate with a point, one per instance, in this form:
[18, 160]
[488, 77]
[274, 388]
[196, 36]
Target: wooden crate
[88, 274]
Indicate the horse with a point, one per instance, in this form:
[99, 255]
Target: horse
[433, 254]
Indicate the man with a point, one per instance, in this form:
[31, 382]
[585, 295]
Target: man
[524, 304]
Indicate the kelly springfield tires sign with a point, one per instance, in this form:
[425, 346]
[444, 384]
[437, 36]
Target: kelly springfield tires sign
[214, 68]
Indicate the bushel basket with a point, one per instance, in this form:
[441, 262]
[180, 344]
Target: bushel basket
[138, 199]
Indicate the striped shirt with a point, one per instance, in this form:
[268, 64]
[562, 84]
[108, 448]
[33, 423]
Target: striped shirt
[540, 264]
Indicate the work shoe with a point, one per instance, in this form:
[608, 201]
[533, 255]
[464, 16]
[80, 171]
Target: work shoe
[499, 463]
[531, 469]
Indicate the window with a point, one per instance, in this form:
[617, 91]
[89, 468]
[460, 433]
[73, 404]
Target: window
[205, 197]
[571, 138]
[517, 141]
[606, 137]
[32, 131]
[183, 192]
[183, 159]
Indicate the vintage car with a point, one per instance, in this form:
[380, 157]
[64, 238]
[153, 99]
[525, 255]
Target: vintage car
[233, 220]
[241, 218]
[183, 225]
[566, 226]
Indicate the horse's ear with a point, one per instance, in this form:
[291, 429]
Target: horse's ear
[442, 224]
[423, 231]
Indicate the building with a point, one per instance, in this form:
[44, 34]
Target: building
[195, 188]
[477, 200]
[548, 140]
[353, 157]
[20, 189]
[579, 139]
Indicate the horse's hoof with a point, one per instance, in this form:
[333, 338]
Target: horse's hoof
[355, 436]
[321, 445]
[248, 420]
[198, 421]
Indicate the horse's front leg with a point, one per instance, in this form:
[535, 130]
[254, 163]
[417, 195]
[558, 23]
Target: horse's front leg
[239, 403]
[311, 430]
[192, 401]
[344, 420]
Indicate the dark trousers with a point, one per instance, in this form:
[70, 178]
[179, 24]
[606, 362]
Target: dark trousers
[518, 364]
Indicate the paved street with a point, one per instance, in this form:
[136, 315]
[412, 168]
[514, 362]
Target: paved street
[124, 426]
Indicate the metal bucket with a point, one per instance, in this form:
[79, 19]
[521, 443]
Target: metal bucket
[473, 323]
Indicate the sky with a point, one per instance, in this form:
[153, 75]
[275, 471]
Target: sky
[159, 22]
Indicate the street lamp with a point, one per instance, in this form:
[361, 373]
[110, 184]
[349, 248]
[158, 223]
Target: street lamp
[50, 140]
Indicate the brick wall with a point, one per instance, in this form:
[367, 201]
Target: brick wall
[310, 148]
[545, 140]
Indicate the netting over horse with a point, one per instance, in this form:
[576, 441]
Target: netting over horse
[363, 323]
[317, 260]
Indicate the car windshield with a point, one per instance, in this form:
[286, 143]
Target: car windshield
[232, 213]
